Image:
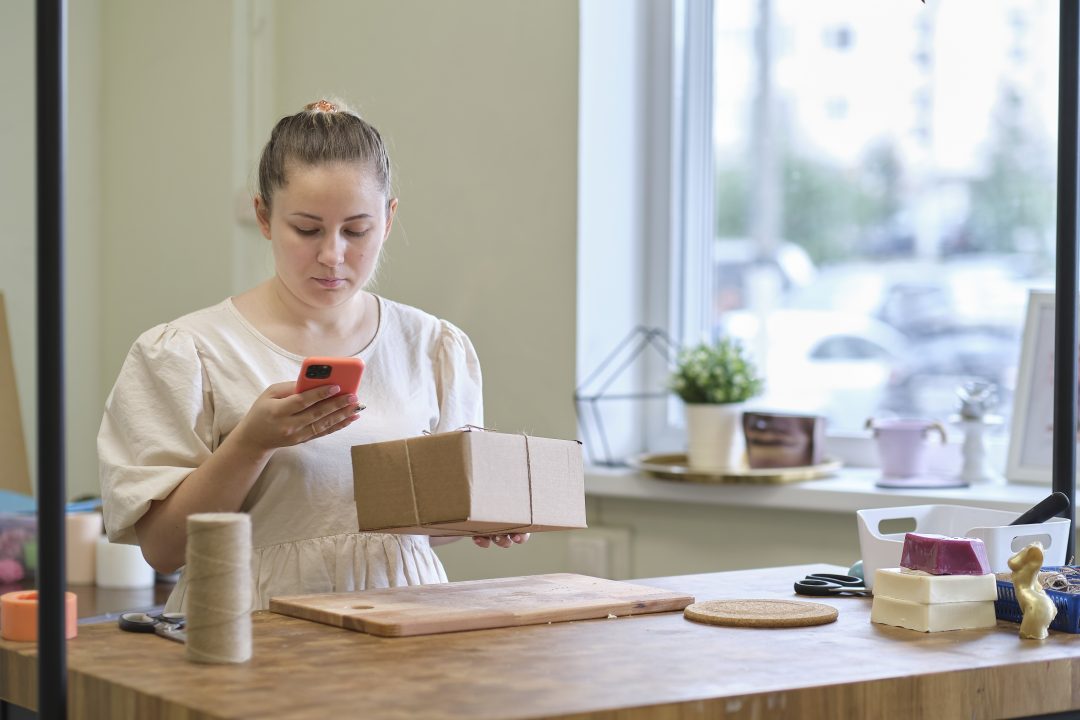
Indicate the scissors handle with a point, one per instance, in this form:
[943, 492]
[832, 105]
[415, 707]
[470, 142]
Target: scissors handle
[137, 622]
[822, 584]
[171, 631]
[845, 580]
[169, 625]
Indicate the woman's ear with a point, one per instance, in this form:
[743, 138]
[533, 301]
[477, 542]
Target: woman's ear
[391, 210]
[262, 215]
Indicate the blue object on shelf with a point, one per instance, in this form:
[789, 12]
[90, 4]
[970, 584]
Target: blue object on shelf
[83, 505]
[1067, 603]
[12, 502]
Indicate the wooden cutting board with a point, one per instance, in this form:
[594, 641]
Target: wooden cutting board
[479, 604]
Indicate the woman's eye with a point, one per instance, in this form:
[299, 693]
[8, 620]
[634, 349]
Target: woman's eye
[307, 231]
[356, 233]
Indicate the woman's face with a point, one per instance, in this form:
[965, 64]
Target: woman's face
[327, 226]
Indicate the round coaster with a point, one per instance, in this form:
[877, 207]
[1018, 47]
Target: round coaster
[761, 613]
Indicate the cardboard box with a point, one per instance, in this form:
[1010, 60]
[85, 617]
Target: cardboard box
[15, 472]
[469, 482]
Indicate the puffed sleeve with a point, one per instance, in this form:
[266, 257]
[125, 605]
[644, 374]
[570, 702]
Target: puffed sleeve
[457, 380]
[157, 427]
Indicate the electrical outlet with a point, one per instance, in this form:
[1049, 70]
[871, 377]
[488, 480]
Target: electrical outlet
[600, 552]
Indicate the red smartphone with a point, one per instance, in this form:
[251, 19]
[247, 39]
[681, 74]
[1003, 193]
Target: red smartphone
[343, 372]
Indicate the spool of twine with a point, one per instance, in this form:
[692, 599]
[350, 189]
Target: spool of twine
[218, 597]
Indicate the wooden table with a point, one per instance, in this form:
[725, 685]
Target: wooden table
[654, 666]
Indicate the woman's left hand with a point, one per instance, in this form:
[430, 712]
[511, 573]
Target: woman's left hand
[503, 541]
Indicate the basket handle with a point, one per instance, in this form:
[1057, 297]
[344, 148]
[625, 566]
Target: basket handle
[895, 519]
[1019, 542]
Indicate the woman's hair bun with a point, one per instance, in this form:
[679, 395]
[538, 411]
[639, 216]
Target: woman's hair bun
[326, 130]
[321, 106]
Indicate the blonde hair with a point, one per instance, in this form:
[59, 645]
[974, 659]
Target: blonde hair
[325, 131]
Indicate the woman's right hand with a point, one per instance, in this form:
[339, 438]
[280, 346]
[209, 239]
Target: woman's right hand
[280, 417]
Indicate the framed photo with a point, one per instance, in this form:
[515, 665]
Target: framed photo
[1031, 436]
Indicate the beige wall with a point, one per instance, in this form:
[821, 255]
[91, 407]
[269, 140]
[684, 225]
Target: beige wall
[478, 100]
[167, 207]
[84, 279]
[478, 103]
[18, 226]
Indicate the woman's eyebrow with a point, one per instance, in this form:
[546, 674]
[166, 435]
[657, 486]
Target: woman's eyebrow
[361, 216]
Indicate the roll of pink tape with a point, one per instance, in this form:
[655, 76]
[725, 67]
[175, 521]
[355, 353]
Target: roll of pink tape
[19, 616]
[83, 531]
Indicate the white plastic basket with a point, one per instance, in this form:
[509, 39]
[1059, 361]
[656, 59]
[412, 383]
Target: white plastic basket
[991, 526]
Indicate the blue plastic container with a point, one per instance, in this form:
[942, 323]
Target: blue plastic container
[1067, 603]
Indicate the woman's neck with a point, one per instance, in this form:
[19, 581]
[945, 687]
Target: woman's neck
[342, 330]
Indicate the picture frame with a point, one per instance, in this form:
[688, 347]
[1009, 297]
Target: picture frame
[1031, 434]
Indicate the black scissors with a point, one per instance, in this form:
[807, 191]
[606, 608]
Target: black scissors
[167, 625]
[831, 584]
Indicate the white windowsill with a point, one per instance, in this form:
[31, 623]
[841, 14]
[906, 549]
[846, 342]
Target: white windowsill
[850, 490]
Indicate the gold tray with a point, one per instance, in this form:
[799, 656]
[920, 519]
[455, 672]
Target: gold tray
[672, 466]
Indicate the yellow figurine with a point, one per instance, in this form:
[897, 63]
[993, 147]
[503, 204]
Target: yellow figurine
[1038, 609]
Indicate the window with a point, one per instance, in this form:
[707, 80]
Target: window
[882, 195]
[870, 226]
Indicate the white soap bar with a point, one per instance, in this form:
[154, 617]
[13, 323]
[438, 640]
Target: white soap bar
[932, 618]
[922, 587]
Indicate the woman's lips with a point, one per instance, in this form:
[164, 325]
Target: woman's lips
[330, 282]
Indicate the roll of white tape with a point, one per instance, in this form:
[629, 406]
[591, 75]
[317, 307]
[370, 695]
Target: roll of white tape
[122, 566]
[82, 530]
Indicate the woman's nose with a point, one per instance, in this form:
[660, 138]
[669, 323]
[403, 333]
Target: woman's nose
[332, 251]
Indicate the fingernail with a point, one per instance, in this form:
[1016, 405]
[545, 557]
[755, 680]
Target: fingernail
[359, 408]
[352, 398]
[333, 390]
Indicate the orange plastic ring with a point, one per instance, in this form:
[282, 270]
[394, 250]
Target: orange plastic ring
[19, 615]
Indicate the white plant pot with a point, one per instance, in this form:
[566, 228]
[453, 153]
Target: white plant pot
[715, 440]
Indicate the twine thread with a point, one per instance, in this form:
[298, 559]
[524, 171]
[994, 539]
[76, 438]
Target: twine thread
[219, 595]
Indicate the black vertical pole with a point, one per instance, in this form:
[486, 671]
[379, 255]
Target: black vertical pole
[1065, 350]
[51, 120]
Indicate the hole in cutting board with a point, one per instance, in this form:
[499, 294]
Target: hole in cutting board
[363, 607]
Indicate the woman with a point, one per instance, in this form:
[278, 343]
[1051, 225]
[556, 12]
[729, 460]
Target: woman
[204, 417]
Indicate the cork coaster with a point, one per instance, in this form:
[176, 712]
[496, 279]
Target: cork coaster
[761, 613]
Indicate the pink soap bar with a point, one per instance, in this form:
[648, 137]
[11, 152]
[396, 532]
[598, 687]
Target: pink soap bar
[942, 555]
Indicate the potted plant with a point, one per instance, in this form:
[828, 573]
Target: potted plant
[715, 380]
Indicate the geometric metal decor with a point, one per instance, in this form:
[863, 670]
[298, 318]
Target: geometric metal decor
[597, 389]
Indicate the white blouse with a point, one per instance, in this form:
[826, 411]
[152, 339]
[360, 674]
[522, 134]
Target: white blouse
[185, 386]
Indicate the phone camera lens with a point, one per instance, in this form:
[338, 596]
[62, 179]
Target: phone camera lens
[318, 372]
